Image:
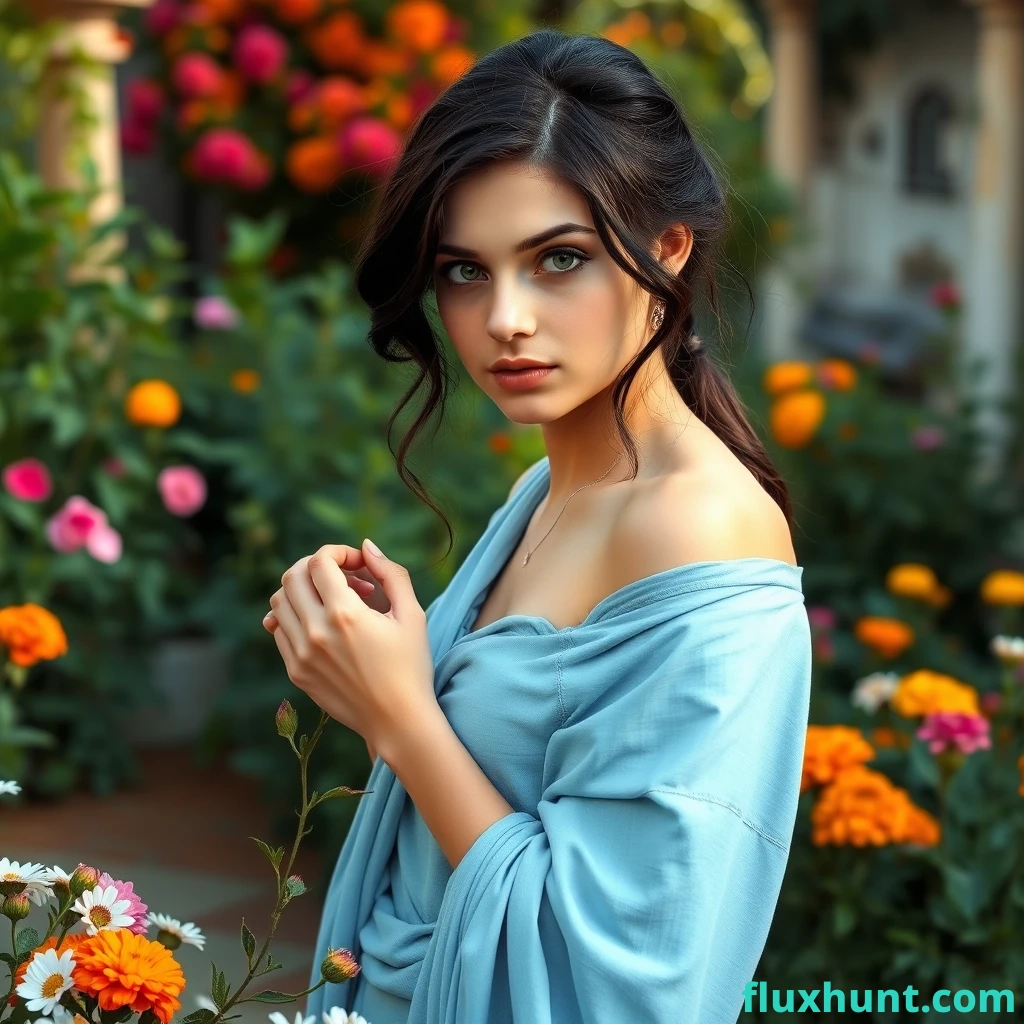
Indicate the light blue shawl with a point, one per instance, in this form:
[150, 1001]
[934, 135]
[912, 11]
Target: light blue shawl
[638, 879]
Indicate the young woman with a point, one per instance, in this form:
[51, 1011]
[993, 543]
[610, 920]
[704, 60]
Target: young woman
[588, 749]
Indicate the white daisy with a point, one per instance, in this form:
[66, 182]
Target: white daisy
[182, 932]
[337, 1015]
[102, 910]
[205, 1003]
[60, 1016]
[10, 787]
[47, 978]
[1009, 649]
[29, 879]
[871, 692]
[279, 1018]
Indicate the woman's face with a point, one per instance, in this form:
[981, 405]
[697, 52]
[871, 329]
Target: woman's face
[521, 272]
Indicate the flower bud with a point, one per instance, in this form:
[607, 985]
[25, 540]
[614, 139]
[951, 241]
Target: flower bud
[12, 886]
[339, 965]
[294, 885]
[17, 908]
[168, 939]
[287, 720]
[61, 890]
[83, 879]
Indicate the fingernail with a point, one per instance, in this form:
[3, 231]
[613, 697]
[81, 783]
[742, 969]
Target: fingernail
[267, 616]
[373, 547]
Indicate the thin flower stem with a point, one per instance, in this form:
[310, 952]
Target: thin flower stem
[298, 995]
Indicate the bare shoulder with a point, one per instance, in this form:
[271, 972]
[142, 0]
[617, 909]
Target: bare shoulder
[683, 518]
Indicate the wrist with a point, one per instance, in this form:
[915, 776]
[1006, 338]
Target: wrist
[402, 741]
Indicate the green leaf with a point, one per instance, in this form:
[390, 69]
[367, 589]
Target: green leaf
[218, 987]
[965, 889]
[274, 855]
[198, 1017]
[248, 942]
[268, 995]
[340, 791]
[8, 959]
[27, 939]
[844, 917]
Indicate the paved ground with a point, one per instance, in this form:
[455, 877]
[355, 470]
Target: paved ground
[189, 856]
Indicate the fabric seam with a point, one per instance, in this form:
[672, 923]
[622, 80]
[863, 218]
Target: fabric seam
[707, 798]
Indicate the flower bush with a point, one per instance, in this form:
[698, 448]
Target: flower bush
[95, 961]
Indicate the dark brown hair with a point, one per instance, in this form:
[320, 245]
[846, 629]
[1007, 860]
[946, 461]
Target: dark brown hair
[591, 112]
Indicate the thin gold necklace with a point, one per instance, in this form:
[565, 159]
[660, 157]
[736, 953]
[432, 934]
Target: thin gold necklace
[567, 500]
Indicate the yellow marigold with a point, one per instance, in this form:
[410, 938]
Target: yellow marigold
[245, 381]
[862, 807]
[836, 374]
[152, 403]
[1004, 586]
[830, 750]
[787, 376]
[31, 634]
[795, 417]
[925, 692]
[886, 637]
[912, 579]
[123, 969]
[418, 24]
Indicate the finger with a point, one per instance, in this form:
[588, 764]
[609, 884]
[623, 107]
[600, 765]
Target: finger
[332, 584]
[302, 593]
[361, 587]
[288, 621]
[287, 652]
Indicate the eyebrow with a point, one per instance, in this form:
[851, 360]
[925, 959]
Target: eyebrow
[524, 246]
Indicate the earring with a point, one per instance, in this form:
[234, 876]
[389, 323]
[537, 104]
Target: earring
[658, 316]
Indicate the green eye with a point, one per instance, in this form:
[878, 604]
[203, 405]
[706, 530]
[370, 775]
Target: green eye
[459, 267]
[565, 256]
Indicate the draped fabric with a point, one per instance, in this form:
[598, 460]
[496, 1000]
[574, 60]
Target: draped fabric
[652, 755]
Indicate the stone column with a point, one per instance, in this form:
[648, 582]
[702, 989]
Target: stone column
[994, 313]
[88, 29]
[791, 150]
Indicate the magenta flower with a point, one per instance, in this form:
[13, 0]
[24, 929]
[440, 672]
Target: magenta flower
[966, 732]
[300, 84]
[928, 437]
[79, 523]
[137, 137]
[114, 466]
[944, 295]
[182, 489]
[136, 911]
[222, 154]
[215, 313]
[260, 53]
[991, 702]
[145, 100]
[196, 75]
[821, 617]
[368, 144]
[28, 480]
[162, 17]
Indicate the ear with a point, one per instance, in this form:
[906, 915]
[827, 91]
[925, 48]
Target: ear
[673, 247]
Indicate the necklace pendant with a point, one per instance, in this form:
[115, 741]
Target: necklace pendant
[527, 558]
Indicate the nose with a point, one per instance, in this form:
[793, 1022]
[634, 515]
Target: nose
[511, 312]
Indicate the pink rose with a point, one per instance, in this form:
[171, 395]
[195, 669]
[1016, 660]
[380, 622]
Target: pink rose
[222, 154]
[196, 75]
[104, 544]
[215, 313]
[28, 480]
[368, 144]
[260, 53]
[79, 523]
[182, 489]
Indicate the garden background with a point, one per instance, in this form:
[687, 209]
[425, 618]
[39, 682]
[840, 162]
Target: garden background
[188, 405]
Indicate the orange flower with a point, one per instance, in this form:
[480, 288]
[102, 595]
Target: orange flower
[830, 750]
[848, 431]
[862, 807]
[336, 43]
[795, 417]
[884, 736]
[786, 376]
[418, 24]
[627, 30]
[152, 403]
[122, 969]
[499, 442]
[673, 33]
[912, 579]
[398, 112]
[245, 381]
[886, 637]
[313, 164]
[380, 58]
[296, 12]
[925, 692]
[31, 634]
[70, 942]
[221, 10]
[1004, 587]
[450, 64]
[836, 374]
[338, 98]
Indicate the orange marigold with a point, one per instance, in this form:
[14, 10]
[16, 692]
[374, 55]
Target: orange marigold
[830, 750]
[338, 98]
[887, 637]
[377, 57]
[884, 736]
[912, 579]
[336, 43]
[419, 24]
[398, 112]
[925, 692]
[795, 417]
[296, 12]
[69, 942]
[836, 374]
[152, 403]
[313, 164]
[1004, 586]
[123, 969]
[245, 381]
[786, 376]
[31, 634]
[862, 807]
[451, 64]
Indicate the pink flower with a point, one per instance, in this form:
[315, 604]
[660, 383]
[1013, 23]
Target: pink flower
[28, 480]
[137, 909]
[182, 489]
[114, 466]
[222, 154]
[300, 83]
[966, 732]
[260, 53]
[944, 295]
[422, 93]
[991, 702]
[137, 137]
[368, 144]
[145, 100]
[455, 31]
[196, 75]
[824, 648]
[162, 17]
[821, 617]
[927, 438]
[215, 313]
[79, 523]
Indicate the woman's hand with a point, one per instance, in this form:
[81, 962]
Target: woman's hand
[370, 670]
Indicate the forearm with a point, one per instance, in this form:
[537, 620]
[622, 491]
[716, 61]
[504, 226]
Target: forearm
[453, 795]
